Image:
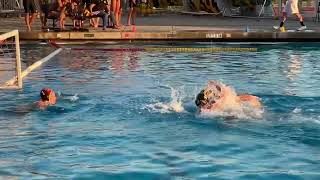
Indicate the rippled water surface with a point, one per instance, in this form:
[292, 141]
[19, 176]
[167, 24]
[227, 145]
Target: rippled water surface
[111, 120]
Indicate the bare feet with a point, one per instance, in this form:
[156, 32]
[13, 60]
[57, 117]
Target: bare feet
[116, 27]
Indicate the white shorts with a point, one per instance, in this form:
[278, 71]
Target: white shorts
[291, 7]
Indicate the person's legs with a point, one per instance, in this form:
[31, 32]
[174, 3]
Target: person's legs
[34, 9]
[30, 11]
[104, 17]
[118, 12]
[120, 15]
[294, 8]
[284, 18]
[74, 21]
[112, 18]
[95, 21]
[27, 20]
[62, 19]
[303, 26]
[44, 13]
[43, 18]
[129, 16]
[91, 22]
[123, 7]
[32, 18]
[114, 10]
[134, 14]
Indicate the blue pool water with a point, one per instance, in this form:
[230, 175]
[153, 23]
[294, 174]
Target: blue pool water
[106, 125]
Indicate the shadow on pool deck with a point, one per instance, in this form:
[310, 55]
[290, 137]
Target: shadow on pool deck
[178, 27]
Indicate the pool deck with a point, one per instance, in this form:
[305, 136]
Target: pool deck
[177, 27]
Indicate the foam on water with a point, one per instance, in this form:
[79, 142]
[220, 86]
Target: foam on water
[240, 114]
[175, 105]
[297, 116]
[72, 98]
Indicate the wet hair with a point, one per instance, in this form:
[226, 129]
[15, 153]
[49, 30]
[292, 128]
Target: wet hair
[200, 99]
[208, 96]
[45, 93]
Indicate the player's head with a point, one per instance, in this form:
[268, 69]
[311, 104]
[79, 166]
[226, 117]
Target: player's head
[48, 94]
[209, 95]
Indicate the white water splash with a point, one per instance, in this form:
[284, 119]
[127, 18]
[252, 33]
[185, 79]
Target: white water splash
[74, 98]
[175, 105]
[71, 98]
[297, 110]
[242, 114]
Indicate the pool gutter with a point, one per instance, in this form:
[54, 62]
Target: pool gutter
[212, 36]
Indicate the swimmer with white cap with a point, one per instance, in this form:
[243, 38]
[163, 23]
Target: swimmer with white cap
[218, 97]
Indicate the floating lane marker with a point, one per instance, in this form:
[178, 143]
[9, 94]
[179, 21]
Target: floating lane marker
[214, 49]
[173, 49]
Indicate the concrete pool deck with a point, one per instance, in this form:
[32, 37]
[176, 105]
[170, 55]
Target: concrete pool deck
[175, 27]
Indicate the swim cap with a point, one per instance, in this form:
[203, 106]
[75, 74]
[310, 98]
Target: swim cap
[45, 93]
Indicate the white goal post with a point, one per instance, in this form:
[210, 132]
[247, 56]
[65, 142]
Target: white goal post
[9, 50]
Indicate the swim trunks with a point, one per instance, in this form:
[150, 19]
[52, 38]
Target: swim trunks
[122, 4]
[133, 3]
[30, 6]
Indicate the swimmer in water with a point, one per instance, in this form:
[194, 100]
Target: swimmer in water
[218, 97]
[48, 98]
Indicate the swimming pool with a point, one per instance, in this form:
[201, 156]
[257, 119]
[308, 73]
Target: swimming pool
[105, 125]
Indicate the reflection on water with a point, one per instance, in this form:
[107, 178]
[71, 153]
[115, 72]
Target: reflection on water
[117, 60]
[131, 115]
[295, 66]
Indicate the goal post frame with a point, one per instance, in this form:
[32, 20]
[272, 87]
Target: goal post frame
[15, 34]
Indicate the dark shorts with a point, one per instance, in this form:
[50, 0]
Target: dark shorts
[44, 6]
[30, 6]
[132, 5]
[44, 9]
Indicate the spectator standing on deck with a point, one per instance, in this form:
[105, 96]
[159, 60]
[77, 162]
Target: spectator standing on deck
[67, 10]
[31, 9]
[133, 4]
[291, 7]
[122, 7]
[115, 8]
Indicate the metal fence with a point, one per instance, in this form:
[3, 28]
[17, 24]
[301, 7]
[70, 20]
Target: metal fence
[10, 5]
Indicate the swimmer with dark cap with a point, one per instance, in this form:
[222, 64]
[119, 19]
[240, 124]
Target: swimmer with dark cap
[48, 98]
[220, 97]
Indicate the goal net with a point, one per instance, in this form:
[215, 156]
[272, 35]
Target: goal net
[10, 63]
